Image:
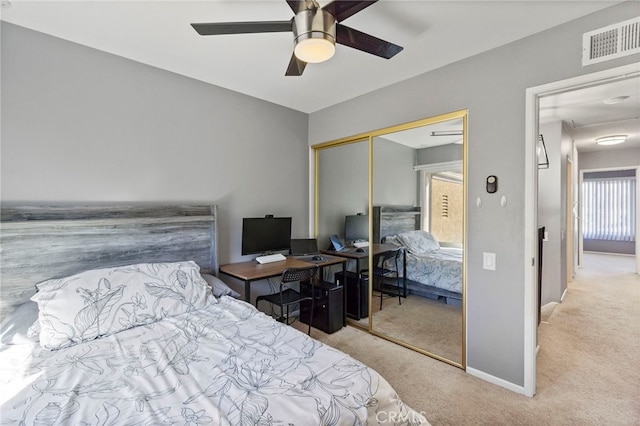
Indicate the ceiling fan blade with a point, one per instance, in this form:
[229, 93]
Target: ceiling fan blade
[217, 28]
[365, 42]
[341, 9]
[296, 66]
[300, 5]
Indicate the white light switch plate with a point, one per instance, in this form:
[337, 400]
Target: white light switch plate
[489, 261]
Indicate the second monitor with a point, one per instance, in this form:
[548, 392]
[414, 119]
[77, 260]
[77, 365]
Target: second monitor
[356, 228]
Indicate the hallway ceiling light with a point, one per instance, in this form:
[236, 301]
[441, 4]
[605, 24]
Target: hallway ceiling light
[611, 140]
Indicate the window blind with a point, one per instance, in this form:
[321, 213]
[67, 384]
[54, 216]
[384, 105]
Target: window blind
[609, 209]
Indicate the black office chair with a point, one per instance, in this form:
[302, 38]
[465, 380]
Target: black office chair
[288, 296]
[382, 273]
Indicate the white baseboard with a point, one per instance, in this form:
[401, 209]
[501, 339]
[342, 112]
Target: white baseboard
[611, 254]
[564, 293]
[497, 381]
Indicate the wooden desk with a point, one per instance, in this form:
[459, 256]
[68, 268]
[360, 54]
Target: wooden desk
[253, 271]
[351, 253]
[358, 256]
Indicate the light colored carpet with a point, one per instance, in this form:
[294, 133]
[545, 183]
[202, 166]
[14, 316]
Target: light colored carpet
[428, 324]
[588, 364]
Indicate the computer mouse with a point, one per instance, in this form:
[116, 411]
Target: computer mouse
[360, 250]
[317, 258]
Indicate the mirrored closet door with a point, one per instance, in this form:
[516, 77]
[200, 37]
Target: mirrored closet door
[408, 183]
[343, 187]
[418, 205]
[342, 182]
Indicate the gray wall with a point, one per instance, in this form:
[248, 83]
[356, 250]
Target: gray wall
[492, 87]
[440, 154]
[81, 125]
[566, 151]
[344, 185]
[619, 158]
[605, 246]
[395, 183]
[552, 215]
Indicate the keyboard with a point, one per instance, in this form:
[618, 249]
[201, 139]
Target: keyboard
[270, 258]
[361, 244]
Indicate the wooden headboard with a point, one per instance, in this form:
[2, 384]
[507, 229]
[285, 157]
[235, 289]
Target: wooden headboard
[39, 242]
[391, 220]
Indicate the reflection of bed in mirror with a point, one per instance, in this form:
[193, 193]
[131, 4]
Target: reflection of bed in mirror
[431, 270]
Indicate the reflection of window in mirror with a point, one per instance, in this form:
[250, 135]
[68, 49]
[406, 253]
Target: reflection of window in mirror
[445, 195]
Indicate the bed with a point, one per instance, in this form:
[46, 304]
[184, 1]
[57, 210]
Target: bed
[130, 325]
[432, 270]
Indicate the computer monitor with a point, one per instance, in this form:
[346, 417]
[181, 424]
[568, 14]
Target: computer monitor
[262, 235]
[304, 246]
[356, 228]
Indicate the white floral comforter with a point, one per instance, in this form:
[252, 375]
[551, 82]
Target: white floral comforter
[225, 364]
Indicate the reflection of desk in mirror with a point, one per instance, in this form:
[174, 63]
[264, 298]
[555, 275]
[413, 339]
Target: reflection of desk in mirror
[374, 169]
[251, 270]
[358, 308]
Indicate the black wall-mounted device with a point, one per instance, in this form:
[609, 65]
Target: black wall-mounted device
[492, 184]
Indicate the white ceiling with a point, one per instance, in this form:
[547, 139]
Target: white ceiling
[433, 34]
[423, 137]
[588, 116]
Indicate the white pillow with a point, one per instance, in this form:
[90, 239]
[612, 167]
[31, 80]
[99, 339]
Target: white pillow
[392, 239]
[219, 287]
[100, 302]
[419, 242]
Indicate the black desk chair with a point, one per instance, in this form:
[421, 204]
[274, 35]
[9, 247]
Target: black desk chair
[288, 296]
[381, 272]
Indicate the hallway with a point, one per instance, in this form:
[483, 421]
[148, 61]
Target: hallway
[590, 345]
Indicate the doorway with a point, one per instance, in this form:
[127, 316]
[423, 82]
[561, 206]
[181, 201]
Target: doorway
[533, 97]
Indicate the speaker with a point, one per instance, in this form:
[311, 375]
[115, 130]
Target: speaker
[328, 308]
[357, 294]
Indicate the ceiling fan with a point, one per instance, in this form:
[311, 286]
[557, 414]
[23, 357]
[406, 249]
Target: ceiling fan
[315, 29]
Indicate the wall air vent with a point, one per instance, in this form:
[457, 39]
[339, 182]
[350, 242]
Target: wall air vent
[614, 41]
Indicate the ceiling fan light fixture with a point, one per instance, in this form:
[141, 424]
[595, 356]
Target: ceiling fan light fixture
[611, 140]
[314, 32]
[314, 47]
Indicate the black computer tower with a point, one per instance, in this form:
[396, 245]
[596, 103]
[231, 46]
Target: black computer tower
[357, 294]
[328, 309]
